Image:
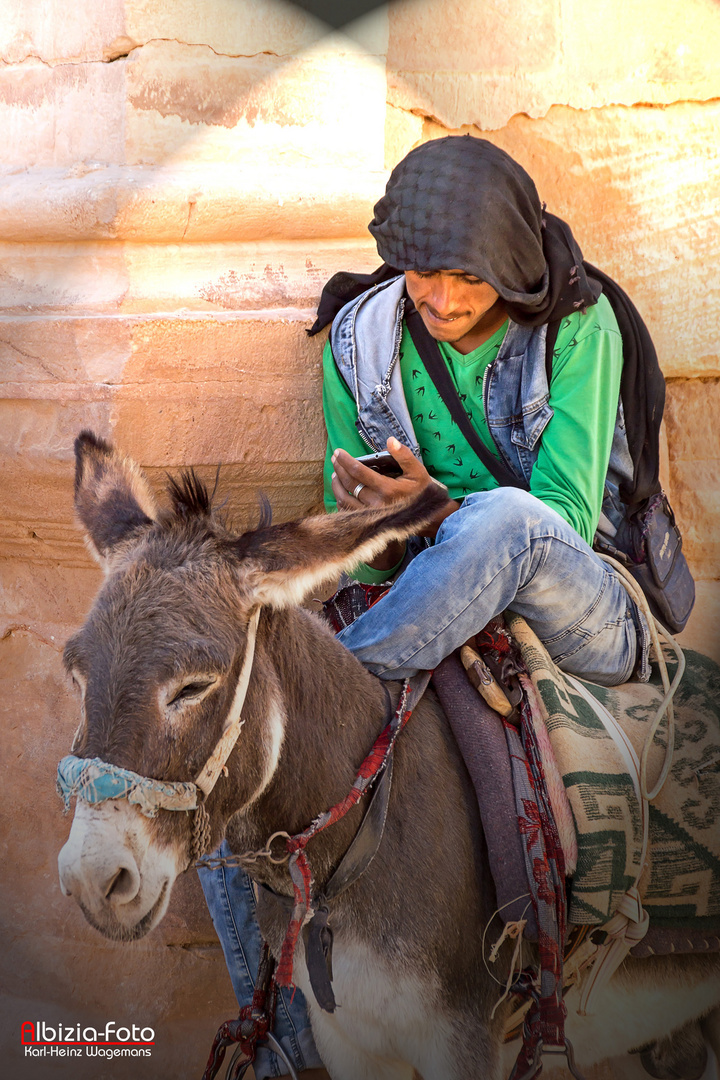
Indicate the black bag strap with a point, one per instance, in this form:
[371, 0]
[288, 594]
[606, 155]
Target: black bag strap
[431, 357]
[552, 333]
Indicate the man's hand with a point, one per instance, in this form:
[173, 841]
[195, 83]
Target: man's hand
[356, 487]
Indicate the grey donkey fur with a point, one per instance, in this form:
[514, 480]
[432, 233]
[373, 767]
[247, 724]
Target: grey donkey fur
[411, 983]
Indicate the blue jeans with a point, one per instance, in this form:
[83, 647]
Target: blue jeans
[231, 901]
[504, 549]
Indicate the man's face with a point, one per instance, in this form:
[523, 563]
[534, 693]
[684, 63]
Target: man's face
[455, 306]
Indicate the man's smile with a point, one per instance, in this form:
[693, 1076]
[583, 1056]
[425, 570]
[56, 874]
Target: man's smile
[455, 306]
[438, 317]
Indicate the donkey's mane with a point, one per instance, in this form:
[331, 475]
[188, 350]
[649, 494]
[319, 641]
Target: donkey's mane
[189, 495]
[191, 500]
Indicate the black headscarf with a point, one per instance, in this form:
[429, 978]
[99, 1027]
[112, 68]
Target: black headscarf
[460, 203]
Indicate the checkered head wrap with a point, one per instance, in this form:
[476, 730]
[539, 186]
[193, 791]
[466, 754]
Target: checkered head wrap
[460, 203]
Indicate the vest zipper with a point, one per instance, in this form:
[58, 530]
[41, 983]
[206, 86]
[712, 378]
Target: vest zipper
[366, 438]
[485, 406]
[396, 343]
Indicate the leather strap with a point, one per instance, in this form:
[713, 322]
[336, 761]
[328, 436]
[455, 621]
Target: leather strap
[436, 368]
[208, 775]
[364, 847]
[317, 934]
[354, 863]
[550, 339]
[376, 773]
[362, 850]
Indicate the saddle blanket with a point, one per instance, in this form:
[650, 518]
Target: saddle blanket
[680, 884]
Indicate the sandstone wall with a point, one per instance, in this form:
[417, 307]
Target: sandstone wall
[178, 179]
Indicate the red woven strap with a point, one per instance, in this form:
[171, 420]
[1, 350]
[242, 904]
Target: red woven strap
[302, 882]
[253, 1022]
[299, 867]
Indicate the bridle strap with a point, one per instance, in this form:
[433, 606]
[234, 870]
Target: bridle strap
[207, 777]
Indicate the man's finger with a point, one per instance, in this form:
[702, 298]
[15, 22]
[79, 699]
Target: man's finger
[352, 473]
[405, 458]
[366, 499]
[343, 498]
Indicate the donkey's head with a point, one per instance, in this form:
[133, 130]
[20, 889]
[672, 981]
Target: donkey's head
[160, 666]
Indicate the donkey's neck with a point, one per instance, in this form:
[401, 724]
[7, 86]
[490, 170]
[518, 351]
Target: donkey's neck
[333, 710]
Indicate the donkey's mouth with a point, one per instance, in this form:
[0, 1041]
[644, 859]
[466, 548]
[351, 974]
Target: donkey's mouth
[118, 931]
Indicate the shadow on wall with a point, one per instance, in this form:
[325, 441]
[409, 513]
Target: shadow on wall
[156, 289]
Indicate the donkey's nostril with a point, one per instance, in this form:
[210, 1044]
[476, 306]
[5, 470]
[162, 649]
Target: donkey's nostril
[123, 885]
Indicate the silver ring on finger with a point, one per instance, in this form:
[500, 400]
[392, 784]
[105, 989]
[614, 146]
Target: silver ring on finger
[356, 491]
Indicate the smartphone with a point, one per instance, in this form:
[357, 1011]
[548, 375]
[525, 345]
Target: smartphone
[382, 462]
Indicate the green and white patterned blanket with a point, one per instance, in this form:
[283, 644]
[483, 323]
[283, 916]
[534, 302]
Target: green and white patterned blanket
[680, 885]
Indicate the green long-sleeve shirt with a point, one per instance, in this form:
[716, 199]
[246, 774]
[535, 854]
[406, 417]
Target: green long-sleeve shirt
[569, 473]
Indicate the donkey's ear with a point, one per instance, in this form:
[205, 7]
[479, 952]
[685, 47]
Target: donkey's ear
[112, 498]
[288, 561]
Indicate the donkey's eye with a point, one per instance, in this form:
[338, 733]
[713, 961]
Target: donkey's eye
[190, 691]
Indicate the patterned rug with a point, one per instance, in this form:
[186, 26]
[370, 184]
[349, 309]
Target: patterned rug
[680, 885]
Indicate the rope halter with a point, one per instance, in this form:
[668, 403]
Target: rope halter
[96, 781]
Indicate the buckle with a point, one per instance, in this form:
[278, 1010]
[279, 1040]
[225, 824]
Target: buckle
[567, 1052]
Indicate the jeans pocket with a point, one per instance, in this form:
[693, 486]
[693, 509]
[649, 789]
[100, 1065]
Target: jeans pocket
[601, 645]
[606, 657]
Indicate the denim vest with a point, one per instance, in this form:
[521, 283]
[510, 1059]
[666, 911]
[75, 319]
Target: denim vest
[365, 341]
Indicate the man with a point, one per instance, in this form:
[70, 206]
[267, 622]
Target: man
[486, 273]
[465, 245]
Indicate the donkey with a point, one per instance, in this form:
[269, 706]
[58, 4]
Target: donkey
[157, 665]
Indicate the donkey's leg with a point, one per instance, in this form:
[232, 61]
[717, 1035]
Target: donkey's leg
[684, 1054]
[473, 1052]
[467, 1054]
[392, 1020]
[644, 1002]
[345, 1060]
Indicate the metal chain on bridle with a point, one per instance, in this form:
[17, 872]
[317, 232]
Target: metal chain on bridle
[214, 862]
